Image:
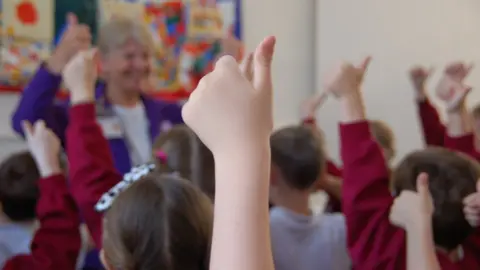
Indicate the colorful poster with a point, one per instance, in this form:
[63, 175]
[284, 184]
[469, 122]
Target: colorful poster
[130, 9]
[28, 19]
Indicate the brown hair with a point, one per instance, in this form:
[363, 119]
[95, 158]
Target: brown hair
[384, 136]
[159, 222]
[452, 177]
[18, 187]
[187, 155]
[298, 153]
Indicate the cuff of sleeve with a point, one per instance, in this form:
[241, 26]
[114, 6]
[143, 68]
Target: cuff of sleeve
[354, 133]
[462, 142]
[43, 70]
[82, 112]
[309, 121]
[53, 182]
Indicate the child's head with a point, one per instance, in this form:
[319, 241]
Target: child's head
[159, 222]
[452, 177]
[383, 134]
[180, 150]
[298, 160]
[18, 187]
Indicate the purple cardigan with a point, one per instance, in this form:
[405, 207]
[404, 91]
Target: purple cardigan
[38, 102]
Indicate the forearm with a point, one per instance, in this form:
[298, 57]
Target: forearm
[458, 123]
[420, 248]
[241, 189]
[334, 186]
[353, 108]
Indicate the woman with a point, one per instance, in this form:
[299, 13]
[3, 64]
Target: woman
[129, 119]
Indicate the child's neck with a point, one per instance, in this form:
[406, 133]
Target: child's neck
[296, 201]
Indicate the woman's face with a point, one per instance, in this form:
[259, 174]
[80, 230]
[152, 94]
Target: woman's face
[128, 67]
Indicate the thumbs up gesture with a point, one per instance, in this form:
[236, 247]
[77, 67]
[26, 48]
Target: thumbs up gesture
[77, 37]
[347, 78]
[227, 109]
[80, 75]
[411, 207]
[472, 207]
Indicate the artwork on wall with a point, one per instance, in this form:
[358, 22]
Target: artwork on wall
[189, 35]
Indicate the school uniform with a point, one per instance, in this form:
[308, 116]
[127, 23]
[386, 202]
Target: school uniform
[38, 102]
[373, 242]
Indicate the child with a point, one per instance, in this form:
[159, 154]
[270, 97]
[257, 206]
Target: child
[298, 162]
[180, 151]
[132, 240]
[18, 199]
[56, 243]
[373, 242]
[413, 211]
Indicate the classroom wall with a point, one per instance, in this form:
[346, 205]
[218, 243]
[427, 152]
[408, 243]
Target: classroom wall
[398, 34]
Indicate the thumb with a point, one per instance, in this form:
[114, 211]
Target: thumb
[364, 64]
[263, 64]
[422, 185]
[72, 19]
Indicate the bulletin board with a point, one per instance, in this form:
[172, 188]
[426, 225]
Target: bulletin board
[188, 34]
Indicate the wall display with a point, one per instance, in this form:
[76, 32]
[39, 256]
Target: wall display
[189, 35]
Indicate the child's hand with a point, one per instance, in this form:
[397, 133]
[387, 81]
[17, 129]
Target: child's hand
[227, 110]
[347, 78]
[412, 207]
[246, 67]
[80, 75]
[472, 207]
[311, 106]
[44, 146]
[453, 94]
[458, 71]
[419, 76]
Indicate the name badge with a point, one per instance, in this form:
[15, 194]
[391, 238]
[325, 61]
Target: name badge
[111, 127]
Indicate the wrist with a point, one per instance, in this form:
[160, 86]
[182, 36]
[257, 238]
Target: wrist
[49, 168]
[55, 65]
[420, 94]
[353, 107]
[81, 96]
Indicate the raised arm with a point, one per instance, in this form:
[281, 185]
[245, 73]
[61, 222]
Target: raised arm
[432, 127]
[373, 243]
[57, 242]
[233, 117]
[92, 171]
[38, 98]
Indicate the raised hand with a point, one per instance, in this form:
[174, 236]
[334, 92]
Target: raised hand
[226, 109]
[246, 67]
[347, 78]
[44, 146]
[80, 75]
[77, 37]
[410, 207]
[311, 105]
[451, 89]
[419, 76]
[472, 207]
[458, 71]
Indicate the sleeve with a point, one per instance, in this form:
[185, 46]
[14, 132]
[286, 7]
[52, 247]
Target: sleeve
[173, 112]
[92, 171]
[37, 102]
[366, 200]
[333, 205]
[432, 127]
[56, 244]
[463, 144]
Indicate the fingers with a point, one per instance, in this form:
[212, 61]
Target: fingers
[364, 64]
[469, 68]
[422, 185]
[262, 59]
[246, 67]
[39, 126]
[72, 19]
[27, 129]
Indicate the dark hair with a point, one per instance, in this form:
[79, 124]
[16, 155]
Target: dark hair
[159, 222]
[18, 187]
[452, 177]
[186, 155]
[298, 154]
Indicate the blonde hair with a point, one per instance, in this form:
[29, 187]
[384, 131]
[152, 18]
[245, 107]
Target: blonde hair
[118, 30]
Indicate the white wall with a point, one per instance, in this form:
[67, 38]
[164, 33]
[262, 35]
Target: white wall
[398, 34]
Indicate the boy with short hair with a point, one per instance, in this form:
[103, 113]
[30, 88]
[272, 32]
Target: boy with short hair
[301, 240]
[18, 200]
[373, 242]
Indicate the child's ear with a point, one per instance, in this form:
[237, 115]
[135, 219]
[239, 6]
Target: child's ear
[104, 260]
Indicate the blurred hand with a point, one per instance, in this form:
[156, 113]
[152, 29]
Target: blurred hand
[472, 207]
[80, 75]
[226, 109]
[419, 76]
[76, 38]
[44, 146]
[347, 78]
[411, 207]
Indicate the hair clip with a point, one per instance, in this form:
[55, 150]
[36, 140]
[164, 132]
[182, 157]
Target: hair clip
[161, 156]
[129, 178]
